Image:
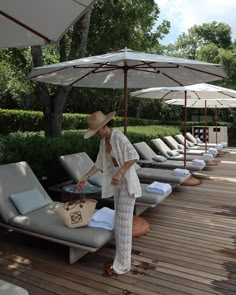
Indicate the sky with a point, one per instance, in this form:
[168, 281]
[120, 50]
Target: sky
[183, 14]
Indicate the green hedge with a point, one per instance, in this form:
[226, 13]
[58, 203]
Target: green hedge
[42, 153]
[18, 120]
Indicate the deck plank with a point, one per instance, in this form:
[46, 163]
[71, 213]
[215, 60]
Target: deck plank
[191, 249]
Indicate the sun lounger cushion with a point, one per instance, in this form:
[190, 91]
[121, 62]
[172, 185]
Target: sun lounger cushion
[163, 148]
[83, 158]
[147, 153]
[28, 201]
[173, 153]
[15, 178]
[152, 174]
[45, 221]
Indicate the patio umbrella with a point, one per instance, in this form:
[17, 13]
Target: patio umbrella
[210, 103]
[33, 22]
[128, 69]
[198, 92]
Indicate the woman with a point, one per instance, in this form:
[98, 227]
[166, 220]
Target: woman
[116, 158]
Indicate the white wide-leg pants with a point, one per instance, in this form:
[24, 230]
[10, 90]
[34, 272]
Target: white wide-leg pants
[124, 208]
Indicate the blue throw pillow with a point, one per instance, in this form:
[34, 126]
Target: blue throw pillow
[173, 153]
[158, 158]
[96, 179]
[28, 201]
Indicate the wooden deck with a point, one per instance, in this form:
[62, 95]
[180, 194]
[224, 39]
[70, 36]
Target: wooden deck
[191, 249]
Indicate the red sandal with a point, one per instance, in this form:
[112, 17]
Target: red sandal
[108, 263]
[109, 271]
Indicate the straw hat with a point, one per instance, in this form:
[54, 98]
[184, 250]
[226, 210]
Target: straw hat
[96, 121]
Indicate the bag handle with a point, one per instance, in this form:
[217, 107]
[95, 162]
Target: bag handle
[72, 203]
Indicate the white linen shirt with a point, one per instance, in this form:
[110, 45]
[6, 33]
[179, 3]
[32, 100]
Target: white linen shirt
[123, 151]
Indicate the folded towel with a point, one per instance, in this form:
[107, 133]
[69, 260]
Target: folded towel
[198, 162]
[181, 172]
[158, 158]
[104, 218]
[212, 151]
[219, 146]
[208, 156]
[224, 144]
[158, 188]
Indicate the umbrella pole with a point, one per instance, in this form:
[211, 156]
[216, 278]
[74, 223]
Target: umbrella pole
[185, 126]
[205, 129]
[125, 100]
[216, 118]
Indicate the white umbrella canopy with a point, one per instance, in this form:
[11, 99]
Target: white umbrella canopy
[200, 103]
[204, 103]
[190, 95]
[34, 22]
[194, 92]
[128, 69]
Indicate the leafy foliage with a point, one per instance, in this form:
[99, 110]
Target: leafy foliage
[117, 24]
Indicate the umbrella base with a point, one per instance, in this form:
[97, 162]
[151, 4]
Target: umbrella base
[191, 181]
[140, 227]
[212, 163]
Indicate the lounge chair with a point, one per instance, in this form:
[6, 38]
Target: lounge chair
[18, 178]
[164, 150]
[180, 139]
[79, 164]
[147, 155]
[192, 139]
[175, 145]
[73, 165]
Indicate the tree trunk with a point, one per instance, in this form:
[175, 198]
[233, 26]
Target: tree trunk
[53, 105]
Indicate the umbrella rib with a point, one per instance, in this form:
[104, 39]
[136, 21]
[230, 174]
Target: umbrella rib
[80, 3]
[43, 74]
[25, 26]
[201, 71]
[196, 94]
[94, 71]
[227, 94]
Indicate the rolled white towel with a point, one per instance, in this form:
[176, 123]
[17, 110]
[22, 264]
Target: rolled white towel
[198, 162]
[224, 144]
[212, 151]
[158, 188]
[208, 156]
[219, 146]
[181, 172]
[104, 218]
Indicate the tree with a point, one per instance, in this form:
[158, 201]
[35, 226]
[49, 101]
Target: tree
[117, 24]
[199, 36]
[114, 24]
[53, 104]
